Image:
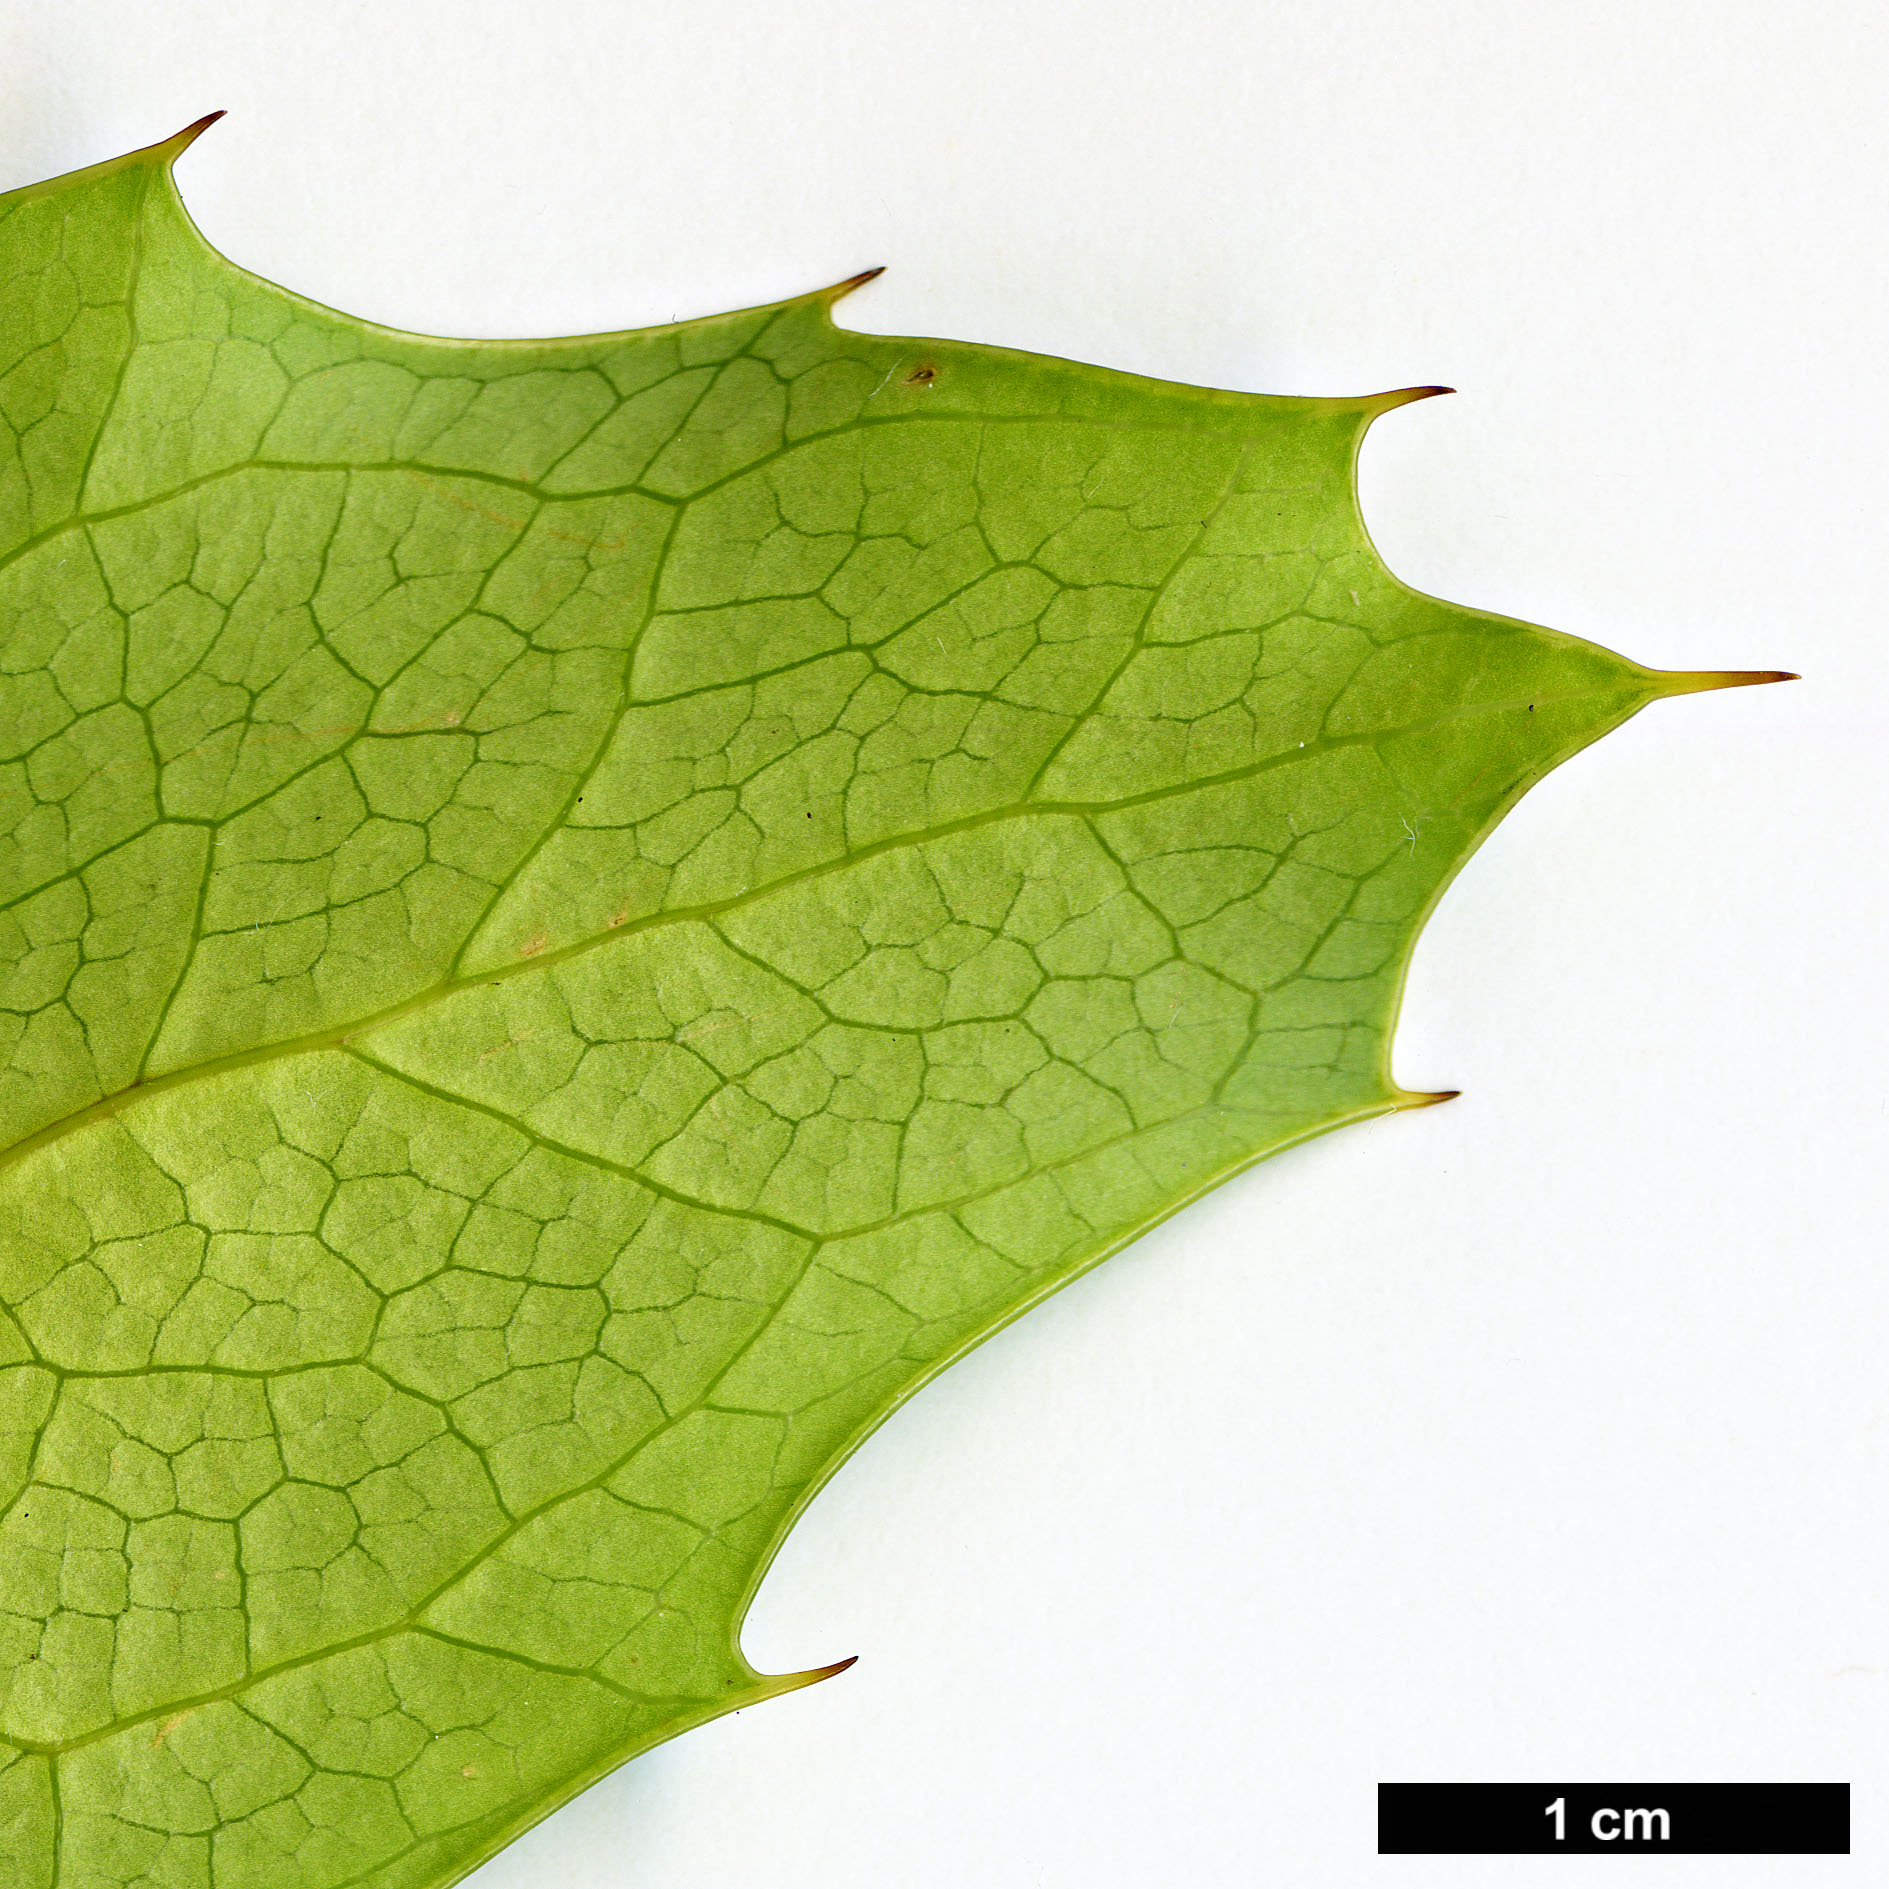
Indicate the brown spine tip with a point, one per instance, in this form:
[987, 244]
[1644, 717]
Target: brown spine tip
[778, 1685]
[177, 146]
[1700, 681]
[1404, 397]
[1425, 1098]
[851, 283]
[793, 1682]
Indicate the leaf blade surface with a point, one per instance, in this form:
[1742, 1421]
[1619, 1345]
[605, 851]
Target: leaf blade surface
[582, 917]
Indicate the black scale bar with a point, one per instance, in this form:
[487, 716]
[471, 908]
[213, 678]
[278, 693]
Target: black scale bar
[1624, 1819]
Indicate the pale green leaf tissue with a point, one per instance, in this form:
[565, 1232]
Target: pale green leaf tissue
[576, 919]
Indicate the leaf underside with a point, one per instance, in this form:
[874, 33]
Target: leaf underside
[579, 918]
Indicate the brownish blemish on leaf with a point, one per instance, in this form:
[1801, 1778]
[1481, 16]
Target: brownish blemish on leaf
[493, 516]
[922, 376]
[514, 1041]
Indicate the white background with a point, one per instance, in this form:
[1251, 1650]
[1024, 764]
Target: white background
[1541, 1435]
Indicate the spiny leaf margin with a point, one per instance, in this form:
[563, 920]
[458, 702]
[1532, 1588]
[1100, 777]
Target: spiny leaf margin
[710, 938]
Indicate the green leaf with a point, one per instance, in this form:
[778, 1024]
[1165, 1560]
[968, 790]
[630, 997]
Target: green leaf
[580, 917]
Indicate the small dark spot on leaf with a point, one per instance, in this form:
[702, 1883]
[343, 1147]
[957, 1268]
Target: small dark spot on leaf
[921, 377]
